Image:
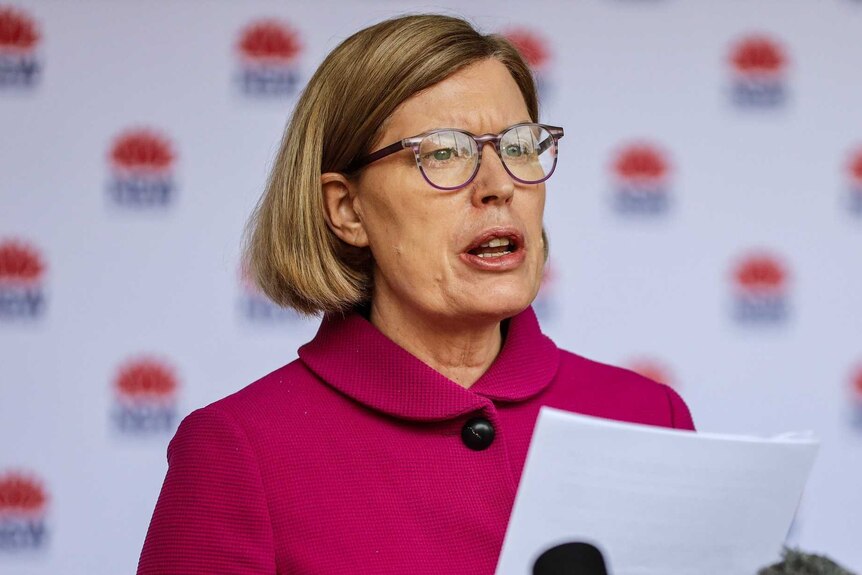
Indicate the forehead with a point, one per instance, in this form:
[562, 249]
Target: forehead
[480, 98]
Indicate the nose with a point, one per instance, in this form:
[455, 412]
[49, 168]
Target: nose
[493, 184]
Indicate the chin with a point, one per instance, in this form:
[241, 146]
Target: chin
[501, 305]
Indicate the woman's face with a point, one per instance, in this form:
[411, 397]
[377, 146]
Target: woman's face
[424, 239]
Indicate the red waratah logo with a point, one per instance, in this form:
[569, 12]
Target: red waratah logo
[145, 390]
[760, 282]
[532, 47]
[21, 272]
[758, 55]
[269, 41]
[142, 161]
[21, 495]
[142, 150]
[760, 274]
[641, 163]
[758, 63]
[20, 264]
[652, 369]
[146, 380]
[18, 33]
[23, 500]
[268, 55]
[19, 37]
[640, 172]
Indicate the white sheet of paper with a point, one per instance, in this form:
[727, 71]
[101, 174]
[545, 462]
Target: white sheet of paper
[655, 501]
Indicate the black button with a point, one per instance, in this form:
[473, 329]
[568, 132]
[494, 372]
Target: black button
[478, 433]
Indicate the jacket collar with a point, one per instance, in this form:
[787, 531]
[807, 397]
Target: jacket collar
[354, 357]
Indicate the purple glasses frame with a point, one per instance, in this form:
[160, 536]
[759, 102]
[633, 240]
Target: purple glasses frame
[413, 143]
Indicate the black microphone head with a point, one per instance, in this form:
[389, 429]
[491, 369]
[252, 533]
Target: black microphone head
[576, 558]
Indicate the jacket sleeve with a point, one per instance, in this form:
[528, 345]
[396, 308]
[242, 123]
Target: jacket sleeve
[680, 416]
[211, 516]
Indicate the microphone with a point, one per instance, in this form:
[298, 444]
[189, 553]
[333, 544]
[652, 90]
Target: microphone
[575, 558]
[795, 562]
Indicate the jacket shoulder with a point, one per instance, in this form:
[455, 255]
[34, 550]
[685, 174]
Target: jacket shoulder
[273, 393]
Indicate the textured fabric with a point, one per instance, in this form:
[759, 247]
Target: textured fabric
[350, 459]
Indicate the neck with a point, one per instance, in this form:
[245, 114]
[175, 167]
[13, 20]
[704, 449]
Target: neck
[460, 352]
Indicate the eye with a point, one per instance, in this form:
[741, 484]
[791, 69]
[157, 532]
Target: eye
[440, 157]
[513, 150]
[519, 150]
[442, 154]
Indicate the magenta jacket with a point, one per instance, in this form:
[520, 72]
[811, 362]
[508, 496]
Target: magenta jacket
[354, 458]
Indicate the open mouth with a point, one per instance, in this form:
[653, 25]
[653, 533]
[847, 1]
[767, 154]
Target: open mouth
[495, 248]
[499, 249]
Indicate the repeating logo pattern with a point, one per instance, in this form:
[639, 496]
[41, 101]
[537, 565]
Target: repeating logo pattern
[19, 37]
[23, 502]
[263, 61]
[141, 163]
[145, 391]
[760, 289]
[269, 52]
[640, 174]
[854, 177]
[758, 64]
[22, 269]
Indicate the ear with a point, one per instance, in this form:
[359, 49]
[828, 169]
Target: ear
[339, 208]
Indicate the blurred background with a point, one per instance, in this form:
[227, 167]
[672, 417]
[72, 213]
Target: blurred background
[705, 225]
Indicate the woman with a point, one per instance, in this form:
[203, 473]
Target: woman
[395, 443]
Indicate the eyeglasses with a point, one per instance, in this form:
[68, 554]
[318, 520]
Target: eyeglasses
[449, 158]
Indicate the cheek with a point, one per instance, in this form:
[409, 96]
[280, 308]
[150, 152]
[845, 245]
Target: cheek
[379, 210]
[425, 241]
[405, 232]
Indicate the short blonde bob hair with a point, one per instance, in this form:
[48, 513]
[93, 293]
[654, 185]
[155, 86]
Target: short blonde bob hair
[290, 251]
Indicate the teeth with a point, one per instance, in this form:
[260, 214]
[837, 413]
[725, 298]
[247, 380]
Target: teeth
[496, 243]
[494, 255]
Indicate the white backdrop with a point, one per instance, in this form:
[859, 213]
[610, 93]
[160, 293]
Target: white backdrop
[705, 225]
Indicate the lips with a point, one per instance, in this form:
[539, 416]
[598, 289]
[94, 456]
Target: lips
[496, 249]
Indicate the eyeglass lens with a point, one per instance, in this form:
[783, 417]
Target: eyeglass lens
[448, 158]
